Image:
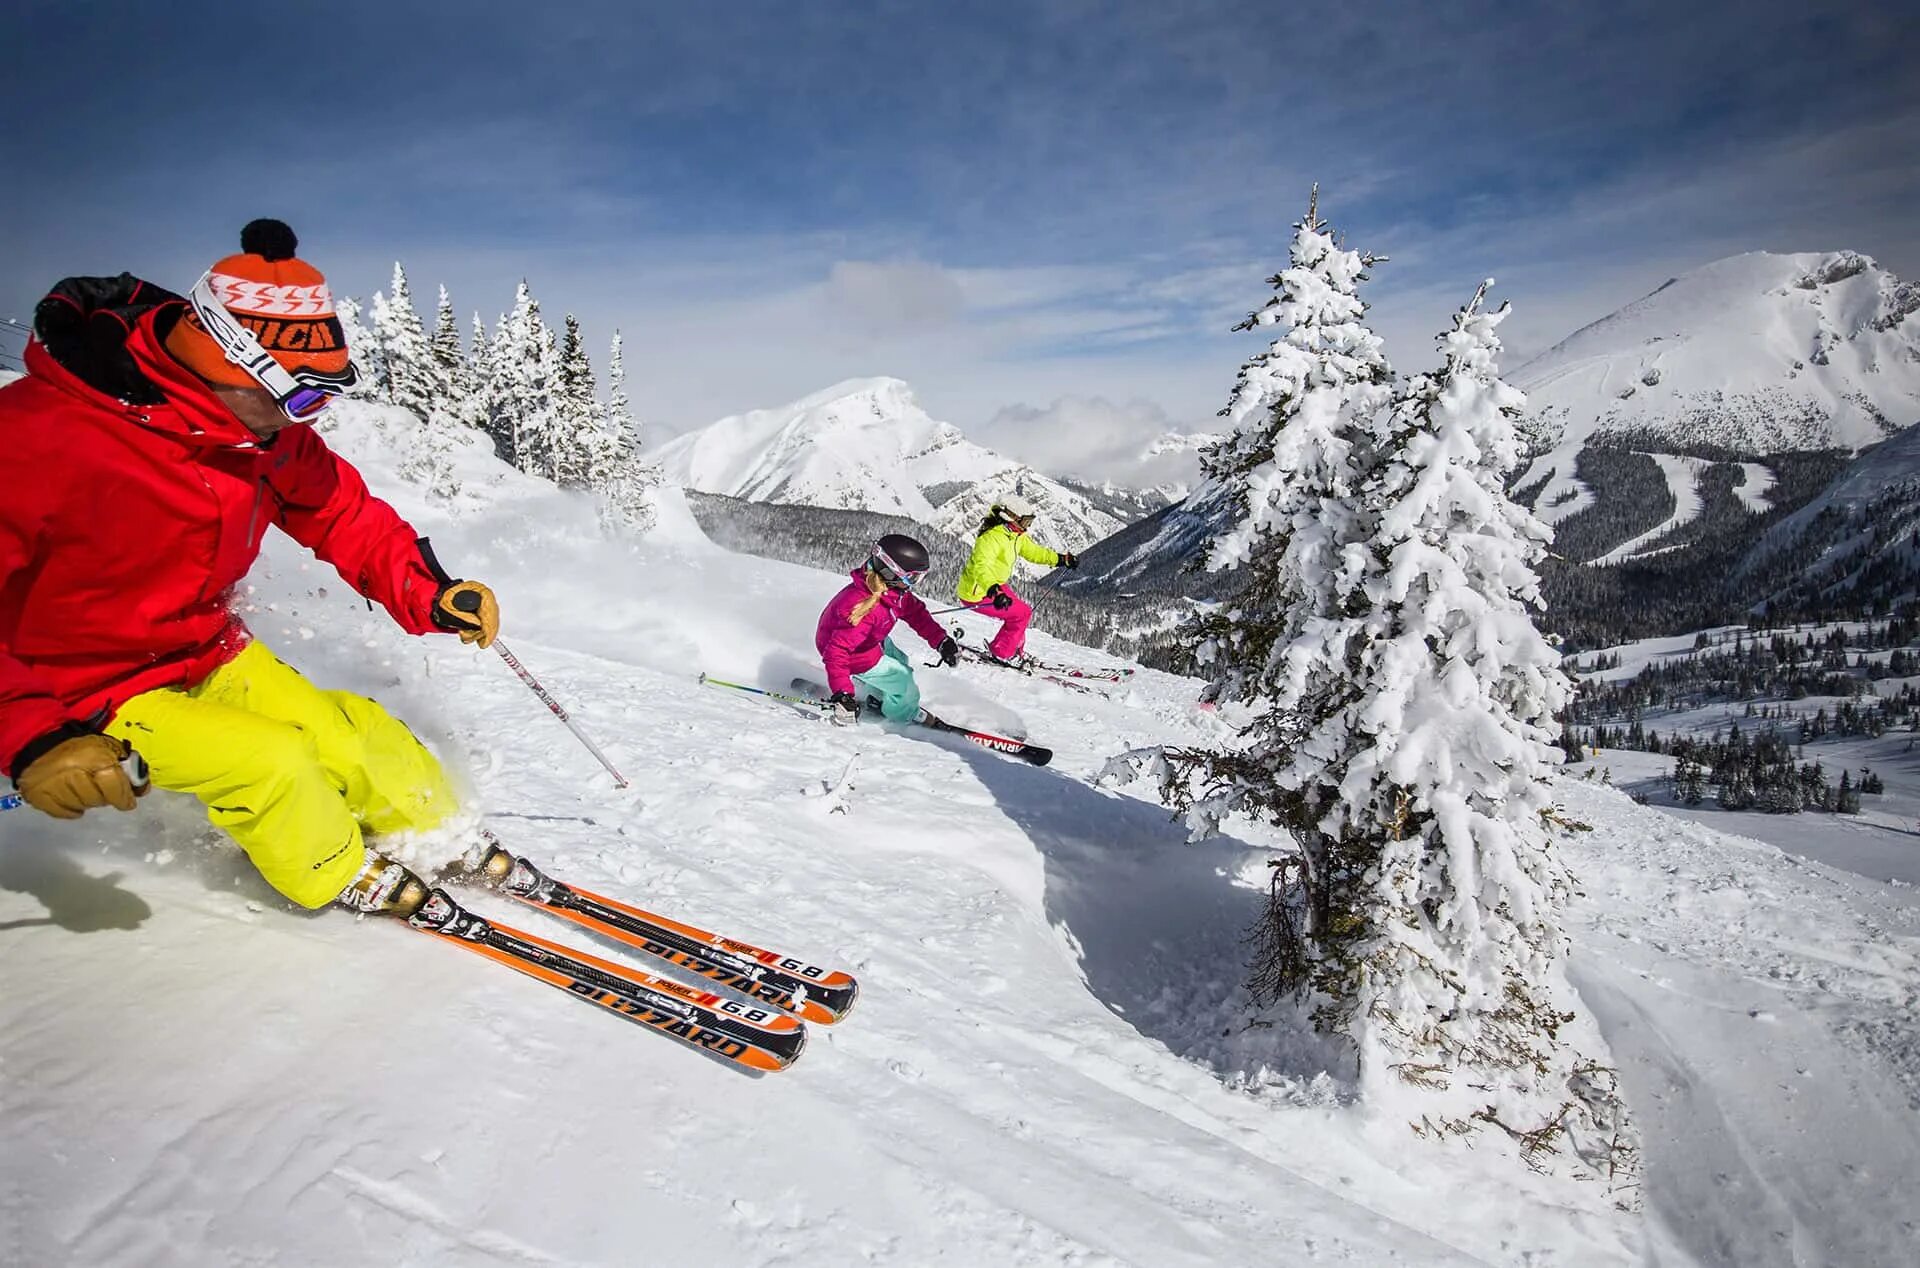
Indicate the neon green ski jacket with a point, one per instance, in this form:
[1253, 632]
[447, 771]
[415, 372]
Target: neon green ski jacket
[991, 563]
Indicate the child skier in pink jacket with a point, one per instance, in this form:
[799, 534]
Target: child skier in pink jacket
[852, 636]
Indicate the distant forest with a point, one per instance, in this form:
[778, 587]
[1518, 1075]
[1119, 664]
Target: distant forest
[1697, 580]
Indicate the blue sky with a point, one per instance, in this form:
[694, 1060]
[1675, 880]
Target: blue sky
[1009, 205]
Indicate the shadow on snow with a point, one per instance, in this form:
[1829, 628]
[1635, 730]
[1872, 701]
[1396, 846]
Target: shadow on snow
[1159, 927]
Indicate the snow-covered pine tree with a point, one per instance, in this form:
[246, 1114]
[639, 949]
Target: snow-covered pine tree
[502, 423]
[403, 348]
[1446, 962]
[619, 412]
[1383, 618]
[432, 461]
[541, 427]
[524, 365]
[364, 349]
[477, 375]
[449, 367]
[1291, 468]
[577, 435]
[622, 475]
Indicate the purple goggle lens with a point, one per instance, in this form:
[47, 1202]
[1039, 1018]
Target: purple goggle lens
[305, 402]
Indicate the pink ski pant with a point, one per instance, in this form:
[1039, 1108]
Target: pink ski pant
[1012, 638]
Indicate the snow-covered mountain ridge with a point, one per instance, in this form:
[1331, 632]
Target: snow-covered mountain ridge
[866, 444]
[1758, 353]
[1751, 355]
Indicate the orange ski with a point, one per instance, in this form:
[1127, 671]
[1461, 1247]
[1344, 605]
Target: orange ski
[752, 1037]
[805, 990]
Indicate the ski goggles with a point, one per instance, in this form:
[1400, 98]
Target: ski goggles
[300, 393]
[893, 574]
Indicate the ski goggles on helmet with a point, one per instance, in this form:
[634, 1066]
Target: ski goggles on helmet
[300, 393]
[896, 577]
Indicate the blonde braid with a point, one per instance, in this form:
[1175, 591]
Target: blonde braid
[876, 589]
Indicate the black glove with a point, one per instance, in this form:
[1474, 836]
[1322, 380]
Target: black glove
[1001, 599]
[1069, 560]
[846, 708]
[949, 653]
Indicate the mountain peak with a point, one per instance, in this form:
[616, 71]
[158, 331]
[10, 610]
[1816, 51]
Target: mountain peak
[866, 444]
[883, 390]
[1758, 353]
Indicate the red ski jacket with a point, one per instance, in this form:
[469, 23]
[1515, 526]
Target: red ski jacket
[131, 503]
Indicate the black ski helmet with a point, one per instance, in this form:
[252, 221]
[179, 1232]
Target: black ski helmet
[898, 560]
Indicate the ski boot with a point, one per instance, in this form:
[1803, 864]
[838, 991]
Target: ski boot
[493, 865]
[384, 888]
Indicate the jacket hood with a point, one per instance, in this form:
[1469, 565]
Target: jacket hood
[106, 335]
[84, 323]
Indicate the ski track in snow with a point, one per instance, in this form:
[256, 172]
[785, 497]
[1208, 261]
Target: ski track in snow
[1049, 1064]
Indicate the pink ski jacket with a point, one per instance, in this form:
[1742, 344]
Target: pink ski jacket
[847, 650]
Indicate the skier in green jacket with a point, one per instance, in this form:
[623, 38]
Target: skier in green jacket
[984, 581]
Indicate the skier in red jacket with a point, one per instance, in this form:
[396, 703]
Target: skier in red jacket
[150, 446]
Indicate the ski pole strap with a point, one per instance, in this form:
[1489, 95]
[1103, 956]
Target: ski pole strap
[810, 702]
[533, 684]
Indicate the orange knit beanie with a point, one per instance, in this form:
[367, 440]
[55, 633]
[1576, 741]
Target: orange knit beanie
[284, 301]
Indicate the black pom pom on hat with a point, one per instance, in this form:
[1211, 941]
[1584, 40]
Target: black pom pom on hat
[271, 240]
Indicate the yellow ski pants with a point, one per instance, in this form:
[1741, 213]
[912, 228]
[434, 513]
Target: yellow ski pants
[290, 772]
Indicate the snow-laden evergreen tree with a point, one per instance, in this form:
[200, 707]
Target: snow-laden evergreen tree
[403, 348]
[431, 462]
[1401, 708]
[501, 421]
[621, 473]
[619, 411]
[1448, 966]
[449, 367]
[578, 438]
[1291, 468]
[1291, 464]
[477, 376]
[364, 349]
[540, 428]
[522, 368]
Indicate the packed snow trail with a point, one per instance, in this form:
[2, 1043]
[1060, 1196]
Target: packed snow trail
[1049, 1063]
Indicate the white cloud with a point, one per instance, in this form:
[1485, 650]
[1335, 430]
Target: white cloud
[883, 299]
[1093, 438]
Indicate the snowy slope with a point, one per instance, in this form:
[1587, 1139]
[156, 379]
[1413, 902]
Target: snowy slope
[866, 444]
[1048, 1065]
[1154, 554]
[1764, 1015]
[1891, 470]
